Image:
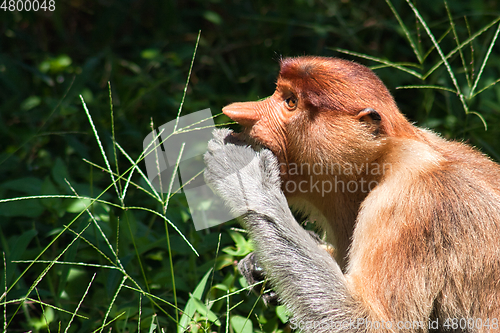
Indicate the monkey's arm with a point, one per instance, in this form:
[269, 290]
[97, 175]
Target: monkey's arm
[254, 273]
[307, 279]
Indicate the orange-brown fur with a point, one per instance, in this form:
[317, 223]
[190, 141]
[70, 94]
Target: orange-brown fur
[425, 242]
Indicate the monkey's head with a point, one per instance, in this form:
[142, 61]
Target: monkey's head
[324, 110]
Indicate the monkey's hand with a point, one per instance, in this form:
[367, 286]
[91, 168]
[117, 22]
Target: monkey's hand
[251, 270]
[246, 179]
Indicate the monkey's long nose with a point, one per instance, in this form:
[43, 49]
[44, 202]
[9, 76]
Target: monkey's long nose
[244, 114]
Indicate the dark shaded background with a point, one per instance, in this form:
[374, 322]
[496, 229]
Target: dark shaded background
[144, 49]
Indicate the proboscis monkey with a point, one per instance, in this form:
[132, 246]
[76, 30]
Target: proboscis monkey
[414, 218]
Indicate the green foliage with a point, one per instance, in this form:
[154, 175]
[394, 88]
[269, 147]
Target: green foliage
[87, 244]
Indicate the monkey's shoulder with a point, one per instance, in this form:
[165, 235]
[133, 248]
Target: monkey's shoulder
[441, 159]
[434, 177]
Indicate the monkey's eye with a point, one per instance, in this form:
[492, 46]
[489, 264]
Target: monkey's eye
[291, 102]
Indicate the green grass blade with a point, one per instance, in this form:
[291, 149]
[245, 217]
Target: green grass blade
[190, 308]
[44, 272]
[485, 88]
[486, 57]
[385, 62]
[466, 42]
[406, 32]
[455, 35]
[441, 54]
[113, 137]
[108, 243]
[80, 303]
[4, 293]
[187, 80]
[481, 118]
[427, 87]
[96, 135]
[112, 303]
[440, 39]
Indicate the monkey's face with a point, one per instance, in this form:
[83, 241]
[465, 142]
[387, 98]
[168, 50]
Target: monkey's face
[299, 133]
[316, 114]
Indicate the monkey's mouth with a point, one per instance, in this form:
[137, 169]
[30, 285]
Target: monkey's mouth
[250, 140]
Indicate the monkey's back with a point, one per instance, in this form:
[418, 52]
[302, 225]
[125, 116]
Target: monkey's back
[432, 224]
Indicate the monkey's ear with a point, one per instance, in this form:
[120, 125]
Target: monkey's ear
[371, 119]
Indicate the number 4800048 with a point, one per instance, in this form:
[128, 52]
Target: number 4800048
[28, 5]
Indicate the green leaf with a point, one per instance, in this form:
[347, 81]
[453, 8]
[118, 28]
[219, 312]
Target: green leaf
[55, 65]
[44, 321]
[26, 208]
[30, 102]
[241, 324]
[150, 53]
[59, 173]
[17, 250]
[221, 286]
[223, 261]
[48, 188]
[204, 311]
[212, 17]
[282, 313]
[78, 205]
[28, 185]
[243, 247]
[190, 308]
